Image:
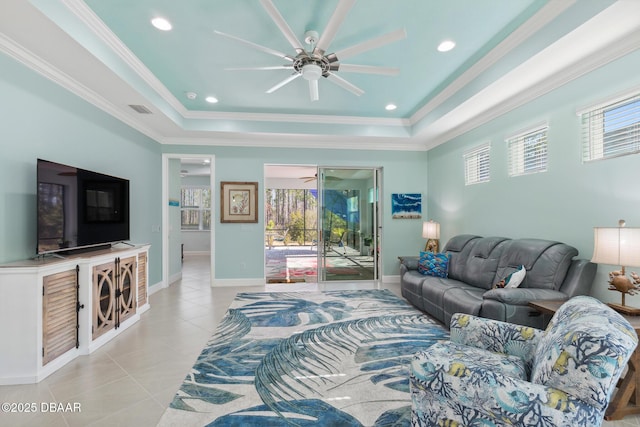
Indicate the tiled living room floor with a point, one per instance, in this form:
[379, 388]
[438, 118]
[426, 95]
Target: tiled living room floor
[131, 380]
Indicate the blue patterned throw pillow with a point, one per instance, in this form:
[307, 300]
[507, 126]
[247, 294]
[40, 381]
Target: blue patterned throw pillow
[434, 264]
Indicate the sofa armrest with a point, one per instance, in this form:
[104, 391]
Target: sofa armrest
[439, 391]
[496, 336]
[522, 296]
[410, 262]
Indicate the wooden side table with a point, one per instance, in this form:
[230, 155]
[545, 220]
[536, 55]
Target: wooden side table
[626, 400]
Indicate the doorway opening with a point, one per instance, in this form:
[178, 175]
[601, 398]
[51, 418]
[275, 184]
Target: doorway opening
[291, 223]
[188, 200]
[321, 224]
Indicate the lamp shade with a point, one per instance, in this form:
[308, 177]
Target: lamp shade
[431, 230]
[616, 246]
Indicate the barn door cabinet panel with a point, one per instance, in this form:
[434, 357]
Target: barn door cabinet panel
[53, 310]
[142, 281]
[114, 294]
[60, 307]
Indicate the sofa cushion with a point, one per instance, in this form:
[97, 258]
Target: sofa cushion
[461, 300]
[433, 264]
[482, 262]
[458, 247]
[433, 290]
[546, 262]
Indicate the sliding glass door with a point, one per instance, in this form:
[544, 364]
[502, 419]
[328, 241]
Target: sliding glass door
[348, 224]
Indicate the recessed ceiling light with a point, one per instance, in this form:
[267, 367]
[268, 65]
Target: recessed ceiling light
[211, 99]
[161, 24]
[390, 107]
[446, 46]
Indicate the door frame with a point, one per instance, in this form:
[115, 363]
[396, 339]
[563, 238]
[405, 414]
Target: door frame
[376, 218]
[165, 211]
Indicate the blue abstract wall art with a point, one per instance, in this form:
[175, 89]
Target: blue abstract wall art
[406, 205]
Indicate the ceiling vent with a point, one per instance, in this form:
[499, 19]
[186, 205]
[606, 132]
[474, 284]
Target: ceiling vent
[141, 109]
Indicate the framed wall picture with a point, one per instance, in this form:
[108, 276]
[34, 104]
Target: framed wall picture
[406, 205]
[238, 201]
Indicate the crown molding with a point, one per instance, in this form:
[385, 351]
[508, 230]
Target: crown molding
[300, 141]
[544, 16]
[80, 9]
[297, 118]
[45, 69]
[621, 47]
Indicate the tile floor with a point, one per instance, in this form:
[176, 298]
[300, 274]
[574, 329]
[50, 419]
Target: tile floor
[132, 379]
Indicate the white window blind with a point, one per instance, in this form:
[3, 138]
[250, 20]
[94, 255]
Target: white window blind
[528, 152]
[611, 130]
[476, 165]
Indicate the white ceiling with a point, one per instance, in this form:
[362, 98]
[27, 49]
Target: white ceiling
[508, 53]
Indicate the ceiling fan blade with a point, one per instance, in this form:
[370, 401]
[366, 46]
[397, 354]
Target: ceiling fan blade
[275, 67]
[282, 25]
[345, 84]
[255, 46]
[380, 41]
[367, 69]
[289, 79]
[344, 6]
[313, 90]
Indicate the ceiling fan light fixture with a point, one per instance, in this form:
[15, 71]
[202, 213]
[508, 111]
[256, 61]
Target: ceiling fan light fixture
[161, 23]
[311, 72]
[446, 45]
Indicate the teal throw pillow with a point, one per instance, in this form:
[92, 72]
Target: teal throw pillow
[434, 264]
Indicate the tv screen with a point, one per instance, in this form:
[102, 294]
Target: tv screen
[79, 208]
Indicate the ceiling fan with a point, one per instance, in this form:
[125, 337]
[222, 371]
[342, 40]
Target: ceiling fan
[313, 62]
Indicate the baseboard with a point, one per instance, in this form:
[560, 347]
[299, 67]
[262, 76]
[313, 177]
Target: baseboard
[157, 287]
[391, 279]
[173, 279]
[238, 282]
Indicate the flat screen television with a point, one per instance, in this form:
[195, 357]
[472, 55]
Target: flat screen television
[79, 209]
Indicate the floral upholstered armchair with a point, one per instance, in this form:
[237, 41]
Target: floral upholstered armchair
[499, 374]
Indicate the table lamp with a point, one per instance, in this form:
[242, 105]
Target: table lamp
[619, 246]
[431, 231]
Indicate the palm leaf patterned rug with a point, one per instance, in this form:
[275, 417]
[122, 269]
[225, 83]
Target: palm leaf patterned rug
[335, 358]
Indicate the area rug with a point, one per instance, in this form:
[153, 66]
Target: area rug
[335, 358]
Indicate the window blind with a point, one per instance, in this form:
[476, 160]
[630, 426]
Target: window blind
[528, 152]
[476, 165]
[611, 130]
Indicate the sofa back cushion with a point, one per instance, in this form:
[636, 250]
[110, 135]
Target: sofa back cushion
[482, 261]
[459, 247]
[584, 350]
[546, 262]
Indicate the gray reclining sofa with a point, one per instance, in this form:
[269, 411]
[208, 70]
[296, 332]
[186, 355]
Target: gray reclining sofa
[477, 263]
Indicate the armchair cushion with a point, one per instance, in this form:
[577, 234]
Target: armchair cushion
[479, 396]
[481, 376]
[582, 350]
[497, 337]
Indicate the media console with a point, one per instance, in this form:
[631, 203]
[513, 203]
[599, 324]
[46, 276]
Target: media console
[53, 310]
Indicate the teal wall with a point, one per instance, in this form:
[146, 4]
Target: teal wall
[239, 251]
[567, 201]
[39, 119]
